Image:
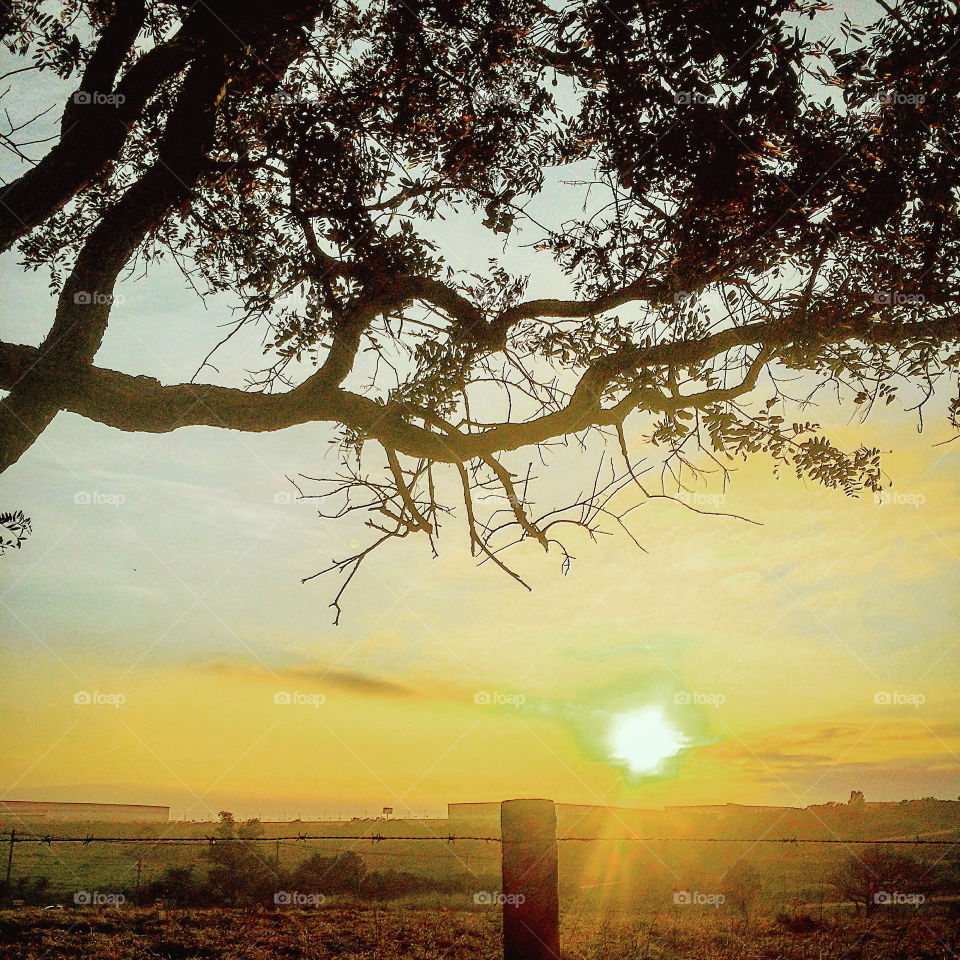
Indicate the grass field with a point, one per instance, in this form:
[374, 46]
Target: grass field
[619, 899]
[363, 932]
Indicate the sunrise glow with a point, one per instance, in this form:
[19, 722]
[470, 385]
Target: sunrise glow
[643, 739]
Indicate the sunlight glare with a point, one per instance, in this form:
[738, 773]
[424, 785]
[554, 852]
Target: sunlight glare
[643, 739]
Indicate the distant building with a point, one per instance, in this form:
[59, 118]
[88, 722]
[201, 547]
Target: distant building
[566, 812]
[473, 811]
[577, 819]
[726, 810]
[104, 812]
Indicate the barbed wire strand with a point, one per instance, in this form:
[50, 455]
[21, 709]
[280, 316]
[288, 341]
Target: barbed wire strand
[382, 838]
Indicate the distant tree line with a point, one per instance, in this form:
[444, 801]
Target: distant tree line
[241, 873]
[239, 869]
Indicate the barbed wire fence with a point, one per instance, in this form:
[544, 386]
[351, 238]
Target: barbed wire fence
[5, 838]
[370, 843]
[525, 851]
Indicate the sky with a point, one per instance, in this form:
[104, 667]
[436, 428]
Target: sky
[157, 644]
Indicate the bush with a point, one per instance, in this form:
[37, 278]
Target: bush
[180, 887]
[393, 884]
[326, 875]
[866, 878]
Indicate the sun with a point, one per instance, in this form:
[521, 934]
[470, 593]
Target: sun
[643, 739]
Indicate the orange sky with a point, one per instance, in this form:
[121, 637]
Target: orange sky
[166, 570]
[186, 600]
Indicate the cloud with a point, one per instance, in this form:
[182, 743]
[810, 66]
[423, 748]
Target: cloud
[312, 674]
[889, 759]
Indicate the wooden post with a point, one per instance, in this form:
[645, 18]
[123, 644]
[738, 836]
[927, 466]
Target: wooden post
[6, 886]
[531, 907]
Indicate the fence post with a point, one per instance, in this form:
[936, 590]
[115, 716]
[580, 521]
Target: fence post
[6, 886]
[531, 907]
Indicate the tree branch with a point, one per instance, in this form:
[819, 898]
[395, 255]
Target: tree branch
[93, 134]
[144, 404]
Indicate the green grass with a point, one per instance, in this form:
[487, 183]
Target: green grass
[70, 868]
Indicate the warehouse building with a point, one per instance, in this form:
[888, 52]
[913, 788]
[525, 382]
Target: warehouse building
[105, 812]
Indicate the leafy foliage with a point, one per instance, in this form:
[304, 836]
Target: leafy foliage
[15, 527]
[742, 207]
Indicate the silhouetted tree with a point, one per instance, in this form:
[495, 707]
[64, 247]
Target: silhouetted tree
[239, 873]
[872, 877]
[718, 197]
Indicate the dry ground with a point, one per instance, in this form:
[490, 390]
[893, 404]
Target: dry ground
[422, 933]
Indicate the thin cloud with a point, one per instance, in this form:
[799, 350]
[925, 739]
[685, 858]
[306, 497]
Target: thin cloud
[314, 675]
